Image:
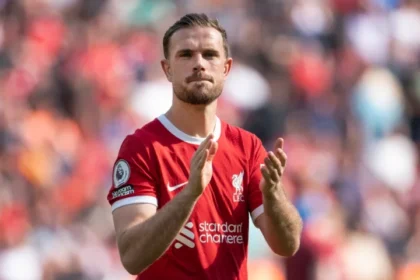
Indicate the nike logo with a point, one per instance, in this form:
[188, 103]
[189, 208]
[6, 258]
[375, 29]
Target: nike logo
[171, 189]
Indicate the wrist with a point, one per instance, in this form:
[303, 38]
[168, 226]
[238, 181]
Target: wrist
[191, 194]
[275, 191]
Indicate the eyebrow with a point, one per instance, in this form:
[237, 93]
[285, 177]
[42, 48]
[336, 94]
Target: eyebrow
[184, 51]
[211, 51]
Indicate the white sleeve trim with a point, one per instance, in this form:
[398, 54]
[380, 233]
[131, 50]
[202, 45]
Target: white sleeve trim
[135, 199]
[257, 212]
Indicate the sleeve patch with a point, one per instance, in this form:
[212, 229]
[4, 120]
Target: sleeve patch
[121, 173]
[124, 191]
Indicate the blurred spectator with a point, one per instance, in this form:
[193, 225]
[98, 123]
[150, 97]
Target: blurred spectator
[339, 80]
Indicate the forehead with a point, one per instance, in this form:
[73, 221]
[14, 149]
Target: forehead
[196, 38]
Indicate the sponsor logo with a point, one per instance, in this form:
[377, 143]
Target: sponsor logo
[124, 191]
[221, 233]
[210, 233]
[121, 173]
[237, 183]
[171, 189]
[185, 237]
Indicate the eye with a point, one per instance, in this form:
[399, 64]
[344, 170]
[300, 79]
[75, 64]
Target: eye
[210, 55]
[185, 54]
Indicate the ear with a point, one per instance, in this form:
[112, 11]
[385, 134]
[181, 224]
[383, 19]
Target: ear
[228, 66]
[166, 69]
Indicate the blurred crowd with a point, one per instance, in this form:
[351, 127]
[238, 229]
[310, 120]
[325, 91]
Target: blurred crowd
[338, 79]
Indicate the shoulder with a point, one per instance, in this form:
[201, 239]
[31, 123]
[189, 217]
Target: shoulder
[242, 141]
[240, 136]
[142, 139]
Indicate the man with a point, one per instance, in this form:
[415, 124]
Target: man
[183, 184]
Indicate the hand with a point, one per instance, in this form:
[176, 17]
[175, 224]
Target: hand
[273, 169]
[201, 169]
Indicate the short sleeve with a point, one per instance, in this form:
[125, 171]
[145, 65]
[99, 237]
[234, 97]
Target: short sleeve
[255, 201]
[132, 179]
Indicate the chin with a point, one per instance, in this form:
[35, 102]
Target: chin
[199, 91]
[194, 94]
[199, 98]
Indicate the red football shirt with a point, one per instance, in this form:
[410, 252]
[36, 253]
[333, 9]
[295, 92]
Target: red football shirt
[153, 166]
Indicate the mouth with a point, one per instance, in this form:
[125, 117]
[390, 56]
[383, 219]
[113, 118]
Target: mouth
[199, 79]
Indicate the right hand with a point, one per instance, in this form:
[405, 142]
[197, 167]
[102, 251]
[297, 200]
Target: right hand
[201, 169]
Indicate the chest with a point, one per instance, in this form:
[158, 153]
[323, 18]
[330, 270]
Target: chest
[227, 194]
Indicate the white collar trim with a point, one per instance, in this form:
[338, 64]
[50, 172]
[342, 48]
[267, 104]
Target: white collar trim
[188, 138]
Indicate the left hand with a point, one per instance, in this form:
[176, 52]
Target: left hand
[273, 169]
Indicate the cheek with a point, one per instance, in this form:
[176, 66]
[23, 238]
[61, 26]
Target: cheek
[178, 76]
[181, 72]
[220, 72]
[219, 68]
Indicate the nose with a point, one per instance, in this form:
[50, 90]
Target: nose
[198, 63]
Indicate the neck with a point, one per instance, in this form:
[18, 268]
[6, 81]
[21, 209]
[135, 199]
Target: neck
[194, 120]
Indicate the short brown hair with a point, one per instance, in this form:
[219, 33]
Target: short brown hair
[193, 20]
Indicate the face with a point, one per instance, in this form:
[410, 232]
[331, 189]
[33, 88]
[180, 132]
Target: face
[197, 65]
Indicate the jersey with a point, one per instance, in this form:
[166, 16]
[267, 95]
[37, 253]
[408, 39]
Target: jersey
[153, 167]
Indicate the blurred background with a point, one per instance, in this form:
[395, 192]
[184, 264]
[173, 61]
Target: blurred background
[338, 79]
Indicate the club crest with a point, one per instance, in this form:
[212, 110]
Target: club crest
[237, 183]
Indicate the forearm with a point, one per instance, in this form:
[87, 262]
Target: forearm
[283, 222]
[144, 243]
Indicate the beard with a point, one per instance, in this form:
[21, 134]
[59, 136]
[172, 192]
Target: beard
[198, 93]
